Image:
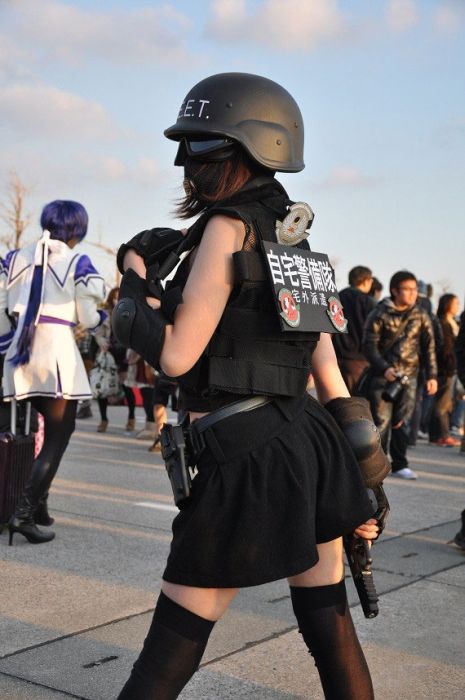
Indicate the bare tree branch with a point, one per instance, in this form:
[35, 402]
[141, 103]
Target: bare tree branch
[110, 251]
[12, 213]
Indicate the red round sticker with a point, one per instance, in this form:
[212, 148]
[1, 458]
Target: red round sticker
[336, 314]
[289, 309]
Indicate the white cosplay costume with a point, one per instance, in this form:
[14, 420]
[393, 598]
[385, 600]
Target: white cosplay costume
[69, 292]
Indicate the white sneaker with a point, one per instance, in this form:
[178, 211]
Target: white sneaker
[422, 435]
[405, 473]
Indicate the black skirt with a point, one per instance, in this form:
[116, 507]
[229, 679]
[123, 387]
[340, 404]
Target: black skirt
[272, 483]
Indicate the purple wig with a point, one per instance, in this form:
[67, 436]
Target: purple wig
[65, 220]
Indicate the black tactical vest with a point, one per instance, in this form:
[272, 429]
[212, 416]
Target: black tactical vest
[248, 353]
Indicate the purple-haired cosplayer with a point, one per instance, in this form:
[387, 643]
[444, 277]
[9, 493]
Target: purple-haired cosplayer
[46, 288]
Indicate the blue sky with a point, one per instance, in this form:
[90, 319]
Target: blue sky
[86, 90]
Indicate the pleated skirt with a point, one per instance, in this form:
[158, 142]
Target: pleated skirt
[271, 484]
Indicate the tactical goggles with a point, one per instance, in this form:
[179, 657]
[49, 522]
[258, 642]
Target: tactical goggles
[200, 148]
[204, 150]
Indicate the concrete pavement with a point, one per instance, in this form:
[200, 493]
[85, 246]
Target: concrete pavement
[73, 613]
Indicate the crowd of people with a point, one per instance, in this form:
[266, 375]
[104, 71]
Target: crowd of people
[399, 353]
[243, 370]
[402, 356]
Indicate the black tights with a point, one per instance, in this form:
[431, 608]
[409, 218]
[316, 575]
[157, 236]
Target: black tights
[59, 422]
[130, 400]
[147, 399]
[177, 639]
[326, 625]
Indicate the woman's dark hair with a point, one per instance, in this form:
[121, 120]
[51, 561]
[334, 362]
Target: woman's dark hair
[65, 220]
[444, 304]
[206, 183]
[376, 287]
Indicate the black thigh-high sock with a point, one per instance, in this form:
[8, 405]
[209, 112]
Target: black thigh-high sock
[326, 625]
[171, 653]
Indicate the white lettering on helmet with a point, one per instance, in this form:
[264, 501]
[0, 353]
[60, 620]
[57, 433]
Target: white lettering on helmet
[202, 105]
[194, 108]
[188, 108]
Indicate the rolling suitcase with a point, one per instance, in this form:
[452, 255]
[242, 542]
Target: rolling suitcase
[16, 458]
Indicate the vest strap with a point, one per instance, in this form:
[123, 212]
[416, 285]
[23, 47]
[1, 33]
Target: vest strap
[249, 267]
[247, 377]
[272, 351]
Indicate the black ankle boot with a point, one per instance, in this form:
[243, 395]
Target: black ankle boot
[459, 538]
[42, 516]
[23, 522]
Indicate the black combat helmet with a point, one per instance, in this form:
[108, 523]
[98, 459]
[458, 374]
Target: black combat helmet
[249, 109]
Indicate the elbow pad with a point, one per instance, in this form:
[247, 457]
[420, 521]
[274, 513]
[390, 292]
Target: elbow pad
[135, 324]
[152, 245]
[354, 418]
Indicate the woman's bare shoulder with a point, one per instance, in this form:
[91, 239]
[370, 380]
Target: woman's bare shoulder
[225, 230]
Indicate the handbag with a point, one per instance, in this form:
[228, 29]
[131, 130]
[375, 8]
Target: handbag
[103, 376]
[144, 373]
[362, 387]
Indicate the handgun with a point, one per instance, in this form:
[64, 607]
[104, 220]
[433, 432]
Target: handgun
[358, 553]
[359, 559]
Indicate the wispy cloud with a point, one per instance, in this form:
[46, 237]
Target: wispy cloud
[402, 15]
[449, 16]
[294, 25]
[70, 33]
[42, 110]
[143, 172]
[12, 57]
[345, 176]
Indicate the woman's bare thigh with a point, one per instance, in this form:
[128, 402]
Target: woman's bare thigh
[328, 570]
[212, 603]
[209, 603]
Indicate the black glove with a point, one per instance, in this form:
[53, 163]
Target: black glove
[152, 245]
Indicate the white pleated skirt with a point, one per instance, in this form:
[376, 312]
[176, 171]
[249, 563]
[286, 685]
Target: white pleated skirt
[55, 367]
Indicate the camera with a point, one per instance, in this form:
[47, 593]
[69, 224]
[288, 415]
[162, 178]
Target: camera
[393, 390]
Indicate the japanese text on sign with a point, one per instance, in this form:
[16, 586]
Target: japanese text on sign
[309, 278]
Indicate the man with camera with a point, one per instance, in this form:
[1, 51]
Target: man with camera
[398, 337]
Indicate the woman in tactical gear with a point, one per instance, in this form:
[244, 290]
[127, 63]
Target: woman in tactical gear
[277, 483]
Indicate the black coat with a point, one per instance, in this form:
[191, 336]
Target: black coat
[357, 306]
[447, 364]
[460, 350]
[415, 345]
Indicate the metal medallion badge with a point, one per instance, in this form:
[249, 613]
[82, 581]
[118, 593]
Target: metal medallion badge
[336, 314]
[289, 309]
[293, 228]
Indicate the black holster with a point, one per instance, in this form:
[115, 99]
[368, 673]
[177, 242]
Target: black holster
[174, 452]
